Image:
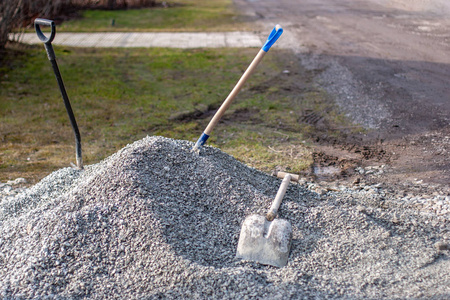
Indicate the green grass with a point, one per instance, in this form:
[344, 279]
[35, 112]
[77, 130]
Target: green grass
[184, 15]
[121, 95]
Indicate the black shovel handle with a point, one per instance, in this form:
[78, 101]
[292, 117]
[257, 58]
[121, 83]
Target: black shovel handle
[47, 40]
[52, 57]
[40, 34]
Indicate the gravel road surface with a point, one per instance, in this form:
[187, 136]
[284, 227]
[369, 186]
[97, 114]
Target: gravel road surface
[387, 66]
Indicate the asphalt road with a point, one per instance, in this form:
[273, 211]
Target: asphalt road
[386, 63]
[399, 60]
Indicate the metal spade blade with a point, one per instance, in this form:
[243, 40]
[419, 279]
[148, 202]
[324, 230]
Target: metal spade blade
[264, 239]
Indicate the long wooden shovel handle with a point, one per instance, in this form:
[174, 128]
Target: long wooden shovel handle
[234, 92]
[273, 37]
[273, 211]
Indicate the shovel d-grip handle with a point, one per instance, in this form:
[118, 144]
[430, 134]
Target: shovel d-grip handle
[46, 40]
[273, 37]
[45, 22]
[273, 211]
[52, 57]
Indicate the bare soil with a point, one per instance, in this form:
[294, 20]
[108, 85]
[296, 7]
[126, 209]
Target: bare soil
[388, 69]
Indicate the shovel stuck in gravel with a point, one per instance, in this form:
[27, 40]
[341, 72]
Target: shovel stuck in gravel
[273, 37]
[265, 239]
[52, 58]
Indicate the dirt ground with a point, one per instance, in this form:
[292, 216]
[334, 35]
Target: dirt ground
[386, 65]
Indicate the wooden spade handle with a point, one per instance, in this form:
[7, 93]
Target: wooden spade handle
[273, 37]
[273, 211]
[234, 92]
[281, 175]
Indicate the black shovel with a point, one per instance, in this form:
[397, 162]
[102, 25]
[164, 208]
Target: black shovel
[51, 56]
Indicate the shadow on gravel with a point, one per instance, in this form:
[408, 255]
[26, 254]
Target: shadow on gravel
[206, 231]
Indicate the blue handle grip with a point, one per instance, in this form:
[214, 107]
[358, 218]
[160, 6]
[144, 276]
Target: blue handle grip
[273, 37]
[201, 141]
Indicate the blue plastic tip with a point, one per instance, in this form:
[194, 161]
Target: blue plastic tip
[201, 140]
[273, 37]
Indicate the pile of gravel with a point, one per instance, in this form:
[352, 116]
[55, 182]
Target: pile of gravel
[155, 220]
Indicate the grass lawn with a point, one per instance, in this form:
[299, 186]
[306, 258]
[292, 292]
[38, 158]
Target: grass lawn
[182, 15]
[121, 95]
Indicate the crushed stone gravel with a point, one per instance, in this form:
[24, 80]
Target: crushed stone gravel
[155, 220]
